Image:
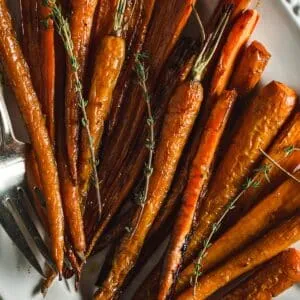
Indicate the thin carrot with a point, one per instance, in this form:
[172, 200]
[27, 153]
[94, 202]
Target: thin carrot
[182, 111]
[47, 58]
[238, 37]
[198, 177]
[274, 242]
[108, 65]
[271, 280]
[18, 74]
[282, 203]
[250, 68]
[81, 23]
[260, 124]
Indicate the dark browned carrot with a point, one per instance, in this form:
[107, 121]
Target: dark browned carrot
[108, 65]
[271, 280]
[250, 68]
[47, 61]
[30, 41]
[282, 203]
[267, 174]
[125, 133]
[274, 242]
[260, 124]
[80, 23]
[181, 114]
[17, 72]
[198, 177]
[238, 37]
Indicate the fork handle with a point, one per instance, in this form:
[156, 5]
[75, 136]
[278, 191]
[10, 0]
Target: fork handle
[5, 123]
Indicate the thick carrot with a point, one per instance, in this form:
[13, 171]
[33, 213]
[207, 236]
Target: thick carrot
[18, 74]
[282, 203]
[238, 37]
[47, 58]
[275, 277]
[198, 177]
[250, 68]
[182, 111]
[267, 174]
[109, 62]
[260, 124]
[181, 114]
[81, 23]
[257, 253]
[114, 168]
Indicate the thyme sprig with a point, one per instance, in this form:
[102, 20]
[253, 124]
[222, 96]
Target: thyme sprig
[63, 28]
[142, 76]
[250, 183]
[273, 161]
[290, 150]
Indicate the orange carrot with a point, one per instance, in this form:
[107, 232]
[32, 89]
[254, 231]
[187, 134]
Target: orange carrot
[238, 37]
[250, 68]
[198, 176]
[284, 202]
[254, 255]
[18, 74]
[275, 277]
[47, 58]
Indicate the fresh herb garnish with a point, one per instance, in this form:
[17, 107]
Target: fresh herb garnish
[142, 76]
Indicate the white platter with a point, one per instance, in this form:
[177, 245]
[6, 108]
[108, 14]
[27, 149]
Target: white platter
[279, 30]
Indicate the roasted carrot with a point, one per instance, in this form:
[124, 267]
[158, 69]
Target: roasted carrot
[275, 277]
[17, 72]
[238, 37]
[267, 174]
[198, 177]
[117, 160]
[250, 68]
[282, 203]
[181, 114]
[109, 61]
[274, 242]
[81, 23]
[47, 61]
[261, 122]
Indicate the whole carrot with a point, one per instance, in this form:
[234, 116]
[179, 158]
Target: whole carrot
[181, 114]
[260, 124]
[198, 177]
[47, 58]
[284, 202]
[274, 242]
[80, 25]
[271, 280]
[18, 74]
[109, 61]
[239, 35]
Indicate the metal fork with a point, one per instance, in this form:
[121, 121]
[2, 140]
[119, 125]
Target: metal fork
[15, 198]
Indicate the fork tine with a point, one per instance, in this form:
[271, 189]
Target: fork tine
[30, 226]
[12, 229]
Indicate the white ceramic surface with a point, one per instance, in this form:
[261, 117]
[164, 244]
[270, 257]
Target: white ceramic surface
[279, 30]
